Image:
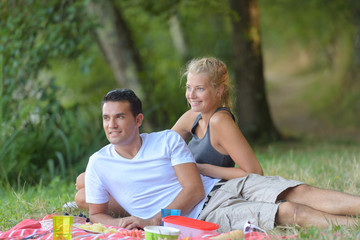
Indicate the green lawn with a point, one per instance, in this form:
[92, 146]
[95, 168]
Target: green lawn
[34, 202]
[322, 164]
[331, 165]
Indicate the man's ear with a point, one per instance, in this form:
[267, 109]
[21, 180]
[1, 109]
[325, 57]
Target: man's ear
[139, 119]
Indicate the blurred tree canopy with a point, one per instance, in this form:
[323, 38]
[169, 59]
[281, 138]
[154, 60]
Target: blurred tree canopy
[55, 67]
[328, 34]
[40, 138]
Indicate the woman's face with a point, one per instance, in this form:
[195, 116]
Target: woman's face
[201, 95]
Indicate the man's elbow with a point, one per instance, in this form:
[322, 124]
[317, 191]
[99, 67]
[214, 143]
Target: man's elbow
[258, 171]
[200, 193]
[254, 170]
[197, 193]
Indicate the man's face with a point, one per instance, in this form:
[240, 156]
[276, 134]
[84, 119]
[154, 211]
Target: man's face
[121, 127]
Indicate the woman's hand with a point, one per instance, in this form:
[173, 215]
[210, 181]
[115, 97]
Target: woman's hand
[203, 168]
[226, 173]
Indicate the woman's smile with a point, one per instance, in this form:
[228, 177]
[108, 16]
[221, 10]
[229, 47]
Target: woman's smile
[200, 94]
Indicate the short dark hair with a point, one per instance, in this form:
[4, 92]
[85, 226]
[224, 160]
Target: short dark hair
[122, 95]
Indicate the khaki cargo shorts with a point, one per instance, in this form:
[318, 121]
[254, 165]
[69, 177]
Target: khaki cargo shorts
[252, 198]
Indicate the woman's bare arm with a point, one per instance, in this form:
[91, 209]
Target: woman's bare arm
[184, 124]
[227, 138]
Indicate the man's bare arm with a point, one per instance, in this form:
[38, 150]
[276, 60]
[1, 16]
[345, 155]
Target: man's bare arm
[193, 189]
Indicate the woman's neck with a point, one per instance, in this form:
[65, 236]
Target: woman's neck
[207, 115]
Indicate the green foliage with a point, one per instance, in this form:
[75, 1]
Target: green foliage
[32, 32]
[49, 127]
[39, 137]
[48, 141]
[321, 36]
[160, 79]
[84, 88]
[312, 24]
[149, 20]
[215, 38]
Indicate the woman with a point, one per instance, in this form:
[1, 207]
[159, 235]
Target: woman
[217, 144]
[207, 92]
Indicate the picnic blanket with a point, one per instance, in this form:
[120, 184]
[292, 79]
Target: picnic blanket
[36, 229]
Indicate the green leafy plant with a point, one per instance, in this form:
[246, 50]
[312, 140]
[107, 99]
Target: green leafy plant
[39, 137]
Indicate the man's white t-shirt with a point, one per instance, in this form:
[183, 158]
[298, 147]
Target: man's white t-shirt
[146, 183]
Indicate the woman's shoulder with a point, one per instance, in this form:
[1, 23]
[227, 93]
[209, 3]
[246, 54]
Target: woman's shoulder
[222, 124]
[222, 116]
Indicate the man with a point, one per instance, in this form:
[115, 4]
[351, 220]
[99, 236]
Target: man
[141, 172]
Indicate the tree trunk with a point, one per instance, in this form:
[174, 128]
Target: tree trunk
[355, 65]
[251, 103]
[115, 41]
[178, 37]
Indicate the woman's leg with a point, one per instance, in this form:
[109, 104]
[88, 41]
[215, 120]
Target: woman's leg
[304, 216]
[80, 199]
[328, 201]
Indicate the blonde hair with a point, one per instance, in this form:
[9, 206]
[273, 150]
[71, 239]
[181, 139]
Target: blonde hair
[217, 73]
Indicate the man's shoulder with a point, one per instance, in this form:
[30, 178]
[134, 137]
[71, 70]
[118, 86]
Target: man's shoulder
[162, 138]
[106, 150]
[160, 134]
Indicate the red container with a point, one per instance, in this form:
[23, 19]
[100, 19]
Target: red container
[190, 227]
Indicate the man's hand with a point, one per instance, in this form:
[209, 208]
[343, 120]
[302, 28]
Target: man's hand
[98, 213]
[136, 223]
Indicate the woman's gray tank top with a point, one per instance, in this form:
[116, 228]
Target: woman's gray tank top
[202, 149]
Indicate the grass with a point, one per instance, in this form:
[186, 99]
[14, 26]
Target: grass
[33, 202]
[332, 165]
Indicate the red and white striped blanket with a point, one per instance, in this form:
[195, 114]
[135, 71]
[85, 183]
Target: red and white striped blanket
[34, 229]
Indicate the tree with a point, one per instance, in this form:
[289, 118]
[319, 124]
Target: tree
[115, 41]
[251, 103]
[355, 65]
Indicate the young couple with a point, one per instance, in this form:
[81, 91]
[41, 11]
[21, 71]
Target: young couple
[132, 178]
